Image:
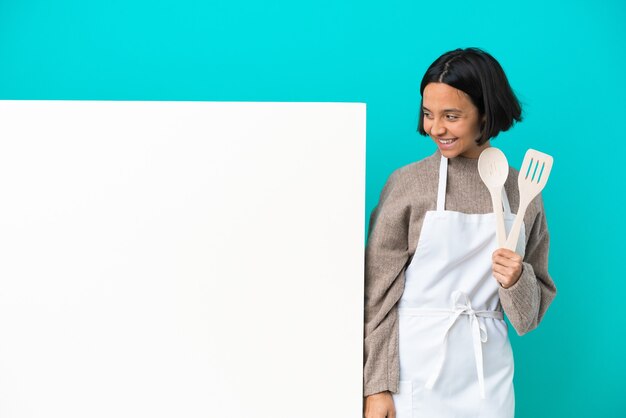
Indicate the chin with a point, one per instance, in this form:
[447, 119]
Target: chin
[449, 153]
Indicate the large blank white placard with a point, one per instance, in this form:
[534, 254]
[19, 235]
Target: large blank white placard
[181, 259]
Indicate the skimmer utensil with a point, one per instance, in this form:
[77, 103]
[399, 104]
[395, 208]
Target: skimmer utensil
[493, 168]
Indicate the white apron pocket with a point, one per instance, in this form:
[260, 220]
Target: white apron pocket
[403, 400]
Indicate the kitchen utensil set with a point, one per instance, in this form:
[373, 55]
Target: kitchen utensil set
[533, 176]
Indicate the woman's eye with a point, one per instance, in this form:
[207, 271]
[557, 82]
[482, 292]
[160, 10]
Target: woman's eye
[449, 117]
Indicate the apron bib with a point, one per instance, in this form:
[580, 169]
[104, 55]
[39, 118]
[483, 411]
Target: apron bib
[455, 355]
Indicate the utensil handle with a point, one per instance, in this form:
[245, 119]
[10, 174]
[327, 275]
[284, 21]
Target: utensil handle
[511, 242]
[496, 201]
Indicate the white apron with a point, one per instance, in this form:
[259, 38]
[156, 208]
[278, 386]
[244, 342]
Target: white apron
[455, 356]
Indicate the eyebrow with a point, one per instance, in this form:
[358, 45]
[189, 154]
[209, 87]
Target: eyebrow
[445, 110]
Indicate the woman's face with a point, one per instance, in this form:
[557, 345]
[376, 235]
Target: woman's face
[452, 121]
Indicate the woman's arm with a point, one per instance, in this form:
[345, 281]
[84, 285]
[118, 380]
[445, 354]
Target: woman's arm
[386, 256]
[526, 301]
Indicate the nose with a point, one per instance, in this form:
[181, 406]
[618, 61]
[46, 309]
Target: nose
[437, 129]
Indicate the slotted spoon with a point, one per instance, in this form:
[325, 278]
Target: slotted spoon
[493, 168]
[533, 177]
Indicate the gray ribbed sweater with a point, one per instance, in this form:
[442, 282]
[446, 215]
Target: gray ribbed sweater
[395, 226]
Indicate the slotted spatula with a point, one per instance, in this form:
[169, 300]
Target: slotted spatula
[533, 177]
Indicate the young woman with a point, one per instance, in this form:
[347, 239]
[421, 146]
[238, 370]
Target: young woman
[436, 344]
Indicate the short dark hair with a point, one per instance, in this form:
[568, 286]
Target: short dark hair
[478, 74]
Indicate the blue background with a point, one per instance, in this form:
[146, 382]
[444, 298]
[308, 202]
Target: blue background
[565, 60]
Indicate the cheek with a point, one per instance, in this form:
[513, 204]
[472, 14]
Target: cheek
[427, 125]
[460, 129]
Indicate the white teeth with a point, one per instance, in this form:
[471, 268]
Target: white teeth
[447, 141]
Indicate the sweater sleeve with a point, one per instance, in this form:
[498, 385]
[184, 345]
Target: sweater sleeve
[526, 302]
[386, 256]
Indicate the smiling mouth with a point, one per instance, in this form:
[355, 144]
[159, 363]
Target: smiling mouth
[446, 141]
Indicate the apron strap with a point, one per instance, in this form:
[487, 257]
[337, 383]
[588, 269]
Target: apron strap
[461, 305]
[443, 179]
